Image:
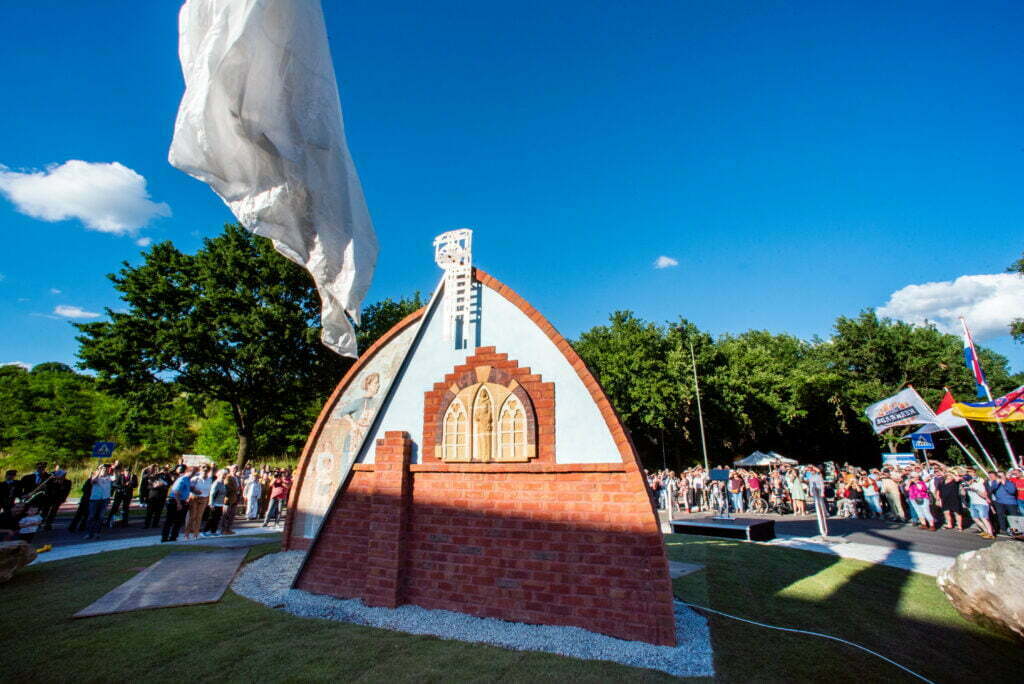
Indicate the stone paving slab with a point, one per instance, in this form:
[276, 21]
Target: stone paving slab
[677, 569]
[180, 579]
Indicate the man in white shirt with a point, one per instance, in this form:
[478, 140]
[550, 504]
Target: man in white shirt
[99, 497]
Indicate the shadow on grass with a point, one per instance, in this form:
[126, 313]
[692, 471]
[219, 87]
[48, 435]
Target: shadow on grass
[235, 639]
[901, 615]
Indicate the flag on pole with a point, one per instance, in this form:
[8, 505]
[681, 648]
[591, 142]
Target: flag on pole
[260, 122]
[972, 361]
[944, 419]
[986, 411]
[903, 408]
[1009, 404]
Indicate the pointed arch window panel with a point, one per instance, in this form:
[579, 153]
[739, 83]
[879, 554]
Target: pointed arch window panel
[512, 445]
[487, 414]
[455, 445]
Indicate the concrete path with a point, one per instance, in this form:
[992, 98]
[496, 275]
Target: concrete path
[900, 545]
[915, 561]
[244, 537]
[180, 579]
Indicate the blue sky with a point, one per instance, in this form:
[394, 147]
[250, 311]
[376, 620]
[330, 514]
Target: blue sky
[798, 161]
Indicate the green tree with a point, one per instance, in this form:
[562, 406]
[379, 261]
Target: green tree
[236, 323]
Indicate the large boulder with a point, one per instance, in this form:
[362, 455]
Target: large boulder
[14, 555]
[985, 586]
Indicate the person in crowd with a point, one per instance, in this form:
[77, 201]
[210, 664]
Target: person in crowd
[157, 483]
[144, 477]
[10, 489]
[1004, 499]
[920, 499]
[736, 488]
[890, 488]
[234, 487]
[118, 513]
[78, 521]
[29, 523]
[797, 492]
[1016, 476]
[33, 480]
[979, 502]
[177, 503]
[58, 488]
[201, 485]
[845, 507]
[266, 479]
[99, 497]
[278, 494]
[218, 497]
[872, 497]
[948, 487]
[252, 497]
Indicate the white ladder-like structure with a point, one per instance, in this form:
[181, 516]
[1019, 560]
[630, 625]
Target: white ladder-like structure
[453, 252]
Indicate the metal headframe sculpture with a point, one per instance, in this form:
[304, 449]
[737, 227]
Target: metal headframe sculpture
[453, 252]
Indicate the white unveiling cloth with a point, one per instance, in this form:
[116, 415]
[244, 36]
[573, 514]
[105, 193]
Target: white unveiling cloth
[261, 123]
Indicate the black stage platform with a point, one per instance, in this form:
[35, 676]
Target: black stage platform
[750, 529]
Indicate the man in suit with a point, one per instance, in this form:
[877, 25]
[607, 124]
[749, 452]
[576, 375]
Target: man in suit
[82, 514]
[57, 489]
[31, 482]
[10, 489]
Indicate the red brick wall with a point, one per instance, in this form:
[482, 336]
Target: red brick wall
[539, 543]
[539, 401]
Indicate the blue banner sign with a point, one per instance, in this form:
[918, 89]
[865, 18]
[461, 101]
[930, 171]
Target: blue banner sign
[898, 460]
[103, 449]
[922, 442]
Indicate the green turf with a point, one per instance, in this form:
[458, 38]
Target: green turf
[900, 614]
[234, 640]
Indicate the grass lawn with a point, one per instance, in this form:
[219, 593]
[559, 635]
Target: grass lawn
[902, 615]
[897, 613]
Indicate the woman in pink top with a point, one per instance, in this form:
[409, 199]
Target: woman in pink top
[919, 497]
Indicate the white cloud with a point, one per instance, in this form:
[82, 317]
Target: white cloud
[74, 312]
[110, 198]
[54, 290]
[665, 262]
[21, 364]
[987, 302]
[143, 242]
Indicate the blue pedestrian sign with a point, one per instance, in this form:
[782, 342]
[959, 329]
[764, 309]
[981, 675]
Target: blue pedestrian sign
[922, 441]
[103, 449]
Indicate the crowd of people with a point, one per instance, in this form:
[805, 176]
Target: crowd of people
[929, 495]
[192, 500]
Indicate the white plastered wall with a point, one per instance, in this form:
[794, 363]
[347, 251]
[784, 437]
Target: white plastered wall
[581, 434]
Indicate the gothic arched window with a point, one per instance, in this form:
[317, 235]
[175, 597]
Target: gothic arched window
[456, 433]
[512, 431]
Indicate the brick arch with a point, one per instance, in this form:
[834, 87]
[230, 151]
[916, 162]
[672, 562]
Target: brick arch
[487, 365]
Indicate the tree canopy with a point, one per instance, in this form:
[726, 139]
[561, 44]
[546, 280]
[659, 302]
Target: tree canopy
[235, 323]
[767, 391]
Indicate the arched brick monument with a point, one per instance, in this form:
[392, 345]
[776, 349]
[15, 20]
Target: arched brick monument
[483, 472]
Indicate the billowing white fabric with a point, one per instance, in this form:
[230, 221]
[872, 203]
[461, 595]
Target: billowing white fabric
[260, 122]
[903, 408]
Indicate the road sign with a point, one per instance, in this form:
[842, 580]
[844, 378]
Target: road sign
[922, 441]
[103, 449]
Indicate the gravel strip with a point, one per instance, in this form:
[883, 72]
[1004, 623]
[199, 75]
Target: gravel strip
[267, 580]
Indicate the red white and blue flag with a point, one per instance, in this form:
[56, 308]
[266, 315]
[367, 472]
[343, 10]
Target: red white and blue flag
[972, 361]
